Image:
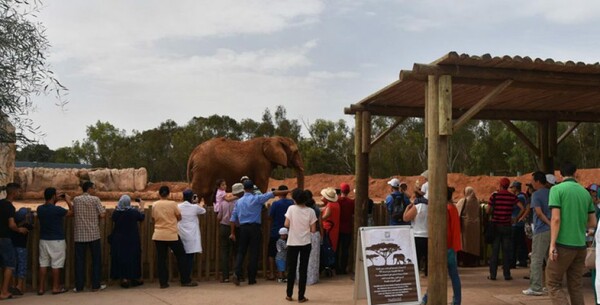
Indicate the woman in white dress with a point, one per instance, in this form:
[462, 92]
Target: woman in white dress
[189, 226]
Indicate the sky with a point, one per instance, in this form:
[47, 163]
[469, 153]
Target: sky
[138, 63]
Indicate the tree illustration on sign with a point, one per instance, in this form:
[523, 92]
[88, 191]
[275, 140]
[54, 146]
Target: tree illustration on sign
[371, 257]
[384, 250]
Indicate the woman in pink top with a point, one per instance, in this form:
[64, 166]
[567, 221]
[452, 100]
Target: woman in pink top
[331, 215]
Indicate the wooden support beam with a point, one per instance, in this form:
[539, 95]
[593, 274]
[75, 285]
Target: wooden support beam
[384, 133]
[485, 114]
[522, 136]
[567, 132]
[552, 145]
[481, 104]
[366, 132]
[544, 146]
[526, 76]
[437, 153]
[361, 171]
[445, 105]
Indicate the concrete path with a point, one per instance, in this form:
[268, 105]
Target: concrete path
[476, 289]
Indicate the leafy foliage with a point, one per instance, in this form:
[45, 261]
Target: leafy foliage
[480, 147]
[24, 71]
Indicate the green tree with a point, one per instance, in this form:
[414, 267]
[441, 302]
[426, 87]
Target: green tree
[35, 153]
[65, 155]
[103, 146]
[24, 70]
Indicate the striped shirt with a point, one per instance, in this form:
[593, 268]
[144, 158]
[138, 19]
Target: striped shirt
[503, 202]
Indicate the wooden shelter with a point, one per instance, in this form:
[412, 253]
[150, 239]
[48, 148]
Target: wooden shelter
[457, 88]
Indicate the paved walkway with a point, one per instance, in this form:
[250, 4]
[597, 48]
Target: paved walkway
[476, 290]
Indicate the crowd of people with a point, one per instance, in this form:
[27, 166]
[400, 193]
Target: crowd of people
[297, 224]
[548, 223]
[546, 226]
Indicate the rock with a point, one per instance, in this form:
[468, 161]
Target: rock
[69, 179]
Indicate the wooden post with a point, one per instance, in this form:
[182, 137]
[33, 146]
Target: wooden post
[366, 132]
[445, 109]
[543, 144]
[362, 174]
[552, 144]
[437, 147]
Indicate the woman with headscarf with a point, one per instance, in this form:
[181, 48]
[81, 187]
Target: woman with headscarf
[469, 211]
[126, 247]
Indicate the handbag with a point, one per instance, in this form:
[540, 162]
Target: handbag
[590, 256]
[489, 231]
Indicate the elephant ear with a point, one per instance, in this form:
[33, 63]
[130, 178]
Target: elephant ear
[275, 152]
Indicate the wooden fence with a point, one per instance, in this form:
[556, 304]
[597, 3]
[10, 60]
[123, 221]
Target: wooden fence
[207, 264]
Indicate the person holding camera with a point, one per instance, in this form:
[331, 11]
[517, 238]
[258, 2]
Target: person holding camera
[125, 243]
[189, 226]
[52, 238]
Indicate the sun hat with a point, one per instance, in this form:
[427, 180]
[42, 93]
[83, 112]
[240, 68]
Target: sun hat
[237, 188]
[329, 194]
[283, 231]
[425, 174]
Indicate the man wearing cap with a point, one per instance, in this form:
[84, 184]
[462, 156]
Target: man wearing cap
[550, 180]
[277, 215]
[247, 212]
[541, 233]
[166, 215]
[572, 219]
[87, 212]
[519, 246]
[255, 188]
[189, 226]
[500, 206]
[346, 226]
[389, 202]
[7, 224]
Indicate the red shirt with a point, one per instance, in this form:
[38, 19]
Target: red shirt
[453, 222]
[346, 214]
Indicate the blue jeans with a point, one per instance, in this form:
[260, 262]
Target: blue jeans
[454, 278]
[80, 249]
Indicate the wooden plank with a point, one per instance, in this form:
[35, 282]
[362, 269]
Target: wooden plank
[445, 105]
[480, 105]
[522, 137]
[567, 132]
[544, 147]
[384, 133]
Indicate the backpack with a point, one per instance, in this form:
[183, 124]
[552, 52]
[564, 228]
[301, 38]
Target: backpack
[398, 206]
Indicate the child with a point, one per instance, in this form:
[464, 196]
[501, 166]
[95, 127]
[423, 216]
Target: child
[20, 244]
[281, 254]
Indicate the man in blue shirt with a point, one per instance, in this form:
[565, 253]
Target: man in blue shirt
[541, 233]
[519, 246]
[389, 202]
[277, 215]
[247, 213]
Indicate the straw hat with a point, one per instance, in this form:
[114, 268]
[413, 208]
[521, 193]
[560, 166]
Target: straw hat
[329, 194]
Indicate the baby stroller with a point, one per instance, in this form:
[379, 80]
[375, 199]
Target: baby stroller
[327, 255]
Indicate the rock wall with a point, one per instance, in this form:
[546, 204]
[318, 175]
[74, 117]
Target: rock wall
[69, 179]
[7, 152]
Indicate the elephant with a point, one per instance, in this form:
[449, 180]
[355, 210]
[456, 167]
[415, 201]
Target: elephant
[222, 158]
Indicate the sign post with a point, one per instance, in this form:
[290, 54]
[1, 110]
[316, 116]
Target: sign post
[387, 266]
